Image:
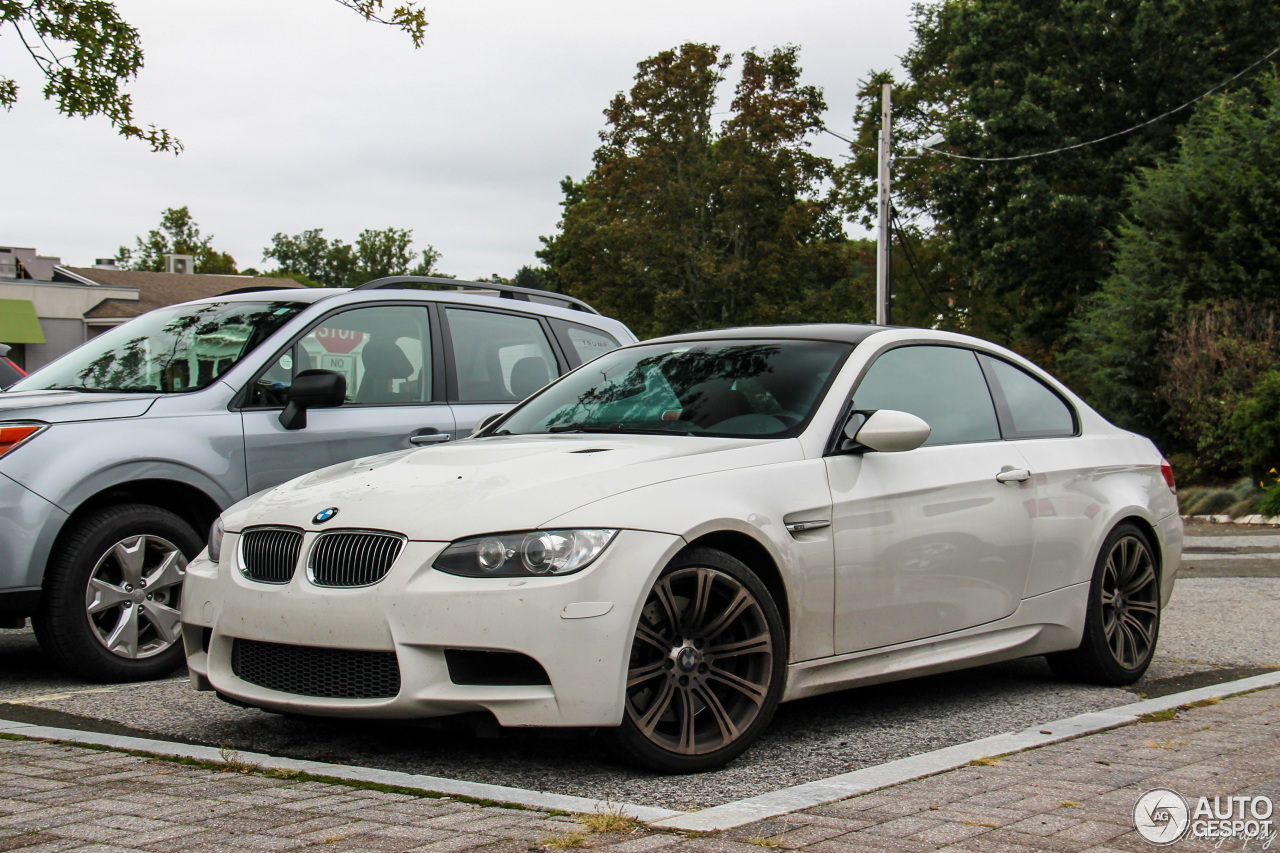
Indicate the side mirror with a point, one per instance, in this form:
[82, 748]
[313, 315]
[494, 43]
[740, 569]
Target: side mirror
[486, 422]
[312, 389]
[884, 430]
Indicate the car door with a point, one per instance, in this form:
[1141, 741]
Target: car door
[497, 359]
[1066, 469]
[390, 356]
[928, 541]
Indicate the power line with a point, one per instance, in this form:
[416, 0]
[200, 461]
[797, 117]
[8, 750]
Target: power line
[826, 129]
[909, 254]
[1110, 135]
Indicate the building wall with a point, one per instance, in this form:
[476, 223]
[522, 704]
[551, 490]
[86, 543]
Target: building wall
[59, 337]
[57, 300]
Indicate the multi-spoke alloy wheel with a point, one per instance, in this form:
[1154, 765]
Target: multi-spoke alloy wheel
[706, 665]
[1123, 618]
[133, 595]
[110, 605]
[1130, 602]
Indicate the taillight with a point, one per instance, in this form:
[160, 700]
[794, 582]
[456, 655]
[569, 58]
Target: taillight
[11, 435]
[1166, 470]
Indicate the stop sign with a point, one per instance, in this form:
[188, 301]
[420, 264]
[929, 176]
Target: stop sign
[340, 341]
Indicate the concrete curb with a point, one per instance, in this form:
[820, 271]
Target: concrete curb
[870, 779]
[433, 784]
[1226, 519]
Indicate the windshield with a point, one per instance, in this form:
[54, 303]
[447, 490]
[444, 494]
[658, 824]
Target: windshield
[177, 349]
[720, 388]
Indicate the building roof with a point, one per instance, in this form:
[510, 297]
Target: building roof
[159, 289]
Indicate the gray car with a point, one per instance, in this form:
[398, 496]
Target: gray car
[116, 458]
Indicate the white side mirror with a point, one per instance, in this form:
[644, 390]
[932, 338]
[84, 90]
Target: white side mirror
[889, 431]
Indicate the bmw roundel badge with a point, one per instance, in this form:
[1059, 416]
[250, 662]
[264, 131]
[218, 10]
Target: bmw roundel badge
[324, 515]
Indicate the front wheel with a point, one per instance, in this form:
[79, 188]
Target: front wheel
[110, 607]
[1123, 618]
[707, 665]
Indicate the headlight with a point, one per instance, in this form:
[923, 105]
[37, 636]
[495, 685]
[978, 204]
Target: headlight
[216, 532]
[15, 433]
[538, 552]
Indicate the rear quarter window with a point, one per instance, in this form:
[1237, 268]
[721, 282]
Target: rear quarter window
[582, 343]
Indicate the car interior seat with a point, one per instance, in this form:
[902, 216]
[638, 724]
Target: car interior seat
[384, 362]
[528, 375]
[708, 403]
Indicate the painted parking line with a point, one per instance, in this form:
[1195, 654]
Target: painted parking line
[1229, 555]
[720, 817]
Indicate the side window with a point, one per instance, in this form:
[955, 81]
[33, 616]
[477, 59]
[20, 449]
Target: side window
[582, 342]
[498, 357]
[384, 351]
[1028, 408]
[943, 385]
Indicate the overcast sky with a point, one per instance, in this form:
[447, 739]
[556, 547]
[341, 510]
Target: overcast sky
[297, 114]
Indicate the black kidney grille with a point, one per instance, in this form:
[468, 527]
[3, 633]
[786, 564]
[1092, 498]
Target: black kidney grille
[269, 554]
[313, 671]
[353, 557]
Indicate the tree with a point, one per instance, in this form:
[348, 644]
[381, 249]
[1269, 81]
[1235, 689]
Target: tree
[87, 55]
[683, 224]
[178, 234]
[375, 254]
[1004, 78]
[1202, 234]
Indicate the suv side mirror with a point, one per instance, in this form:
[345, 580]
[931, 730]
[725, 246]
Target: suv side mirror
[312, 389]
[884, 430]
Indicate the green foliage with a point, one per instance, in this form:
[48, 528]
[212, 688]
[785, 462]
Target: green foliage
[375, 254]
[1002, 78]
[1257, 424]
[1202, 234]
[1270, 503]
[178, 234]
[88, 54]
[684, 224]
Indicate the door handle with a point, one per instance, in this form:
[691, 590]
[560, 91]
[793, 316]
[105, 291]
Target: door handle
[429, 438]
[1013, 475]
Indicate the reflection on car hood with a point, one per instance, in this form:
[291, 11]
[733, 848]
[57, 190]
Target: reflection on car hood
[66, 406]
[497, 484]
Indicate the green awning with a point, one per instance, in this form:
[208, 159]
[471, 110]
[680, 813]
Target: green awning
[18, 323]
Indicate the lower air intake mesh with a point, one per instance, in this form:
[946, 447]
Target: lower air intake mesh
[313, 671]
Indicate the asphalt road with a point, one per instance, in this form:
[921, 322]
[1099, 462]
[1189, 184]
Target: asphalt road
[1223, 623]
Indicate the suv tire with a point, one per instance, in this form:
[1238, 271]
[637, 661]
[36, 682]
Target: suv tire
[109, 611]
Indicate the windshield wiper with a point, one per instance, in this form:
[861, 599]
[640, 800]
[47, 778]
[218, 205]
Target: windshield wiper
[97, 390]
[617, 428]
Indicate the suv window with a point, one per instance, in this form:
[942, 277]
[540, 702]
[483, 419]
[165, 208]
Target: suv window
[384, 351]
[582, 343]
[942, 385]
[1027, 407]
[498, 357]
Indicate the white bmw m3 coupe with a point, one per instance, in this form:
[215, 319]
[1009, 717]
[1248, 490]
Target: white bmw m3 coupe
[683, 533]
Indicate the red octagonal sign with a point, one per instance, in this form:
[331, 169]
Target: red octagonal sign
[340, 341]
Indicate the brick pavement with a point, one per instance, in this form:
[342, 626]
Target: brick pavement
[1073, 796]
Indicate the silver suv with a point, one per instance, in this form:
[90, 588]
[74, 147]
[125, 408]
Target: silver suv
[116, 458]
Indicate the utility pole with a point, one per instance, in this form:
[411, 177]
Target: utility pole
[883, 233]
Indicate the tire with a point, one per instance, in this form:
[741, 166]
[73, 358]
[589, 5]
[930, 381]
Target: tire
[1122, 623]
[109, 611]
[702, 681]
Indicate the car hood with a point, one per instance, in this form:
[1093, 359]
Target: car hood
[65, 406]
[497, 484]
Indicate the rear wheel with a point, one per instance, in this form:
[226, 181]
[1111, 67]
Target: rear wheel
[1123, 619]
[109, 611]
[707, 665]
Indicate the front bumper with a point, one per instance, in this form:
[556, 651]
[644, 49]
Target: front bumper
[579, 628]
[29, 524]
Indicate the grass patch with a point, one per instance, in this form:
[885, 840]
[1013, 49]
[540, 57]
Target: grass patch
[232, 761]
[766, 841]
[1204, 703]
[565, 840]
[1068, 804]
[1159, 716]
[989, 761]
[608, 818]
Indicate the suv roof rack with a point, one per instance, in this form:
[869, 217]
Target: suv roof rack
[505, 291]
[257, 288]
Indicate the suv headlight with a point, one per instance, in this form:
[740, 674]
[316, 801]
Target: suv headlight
[15, 433]
[532, 554]
[216, 532]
